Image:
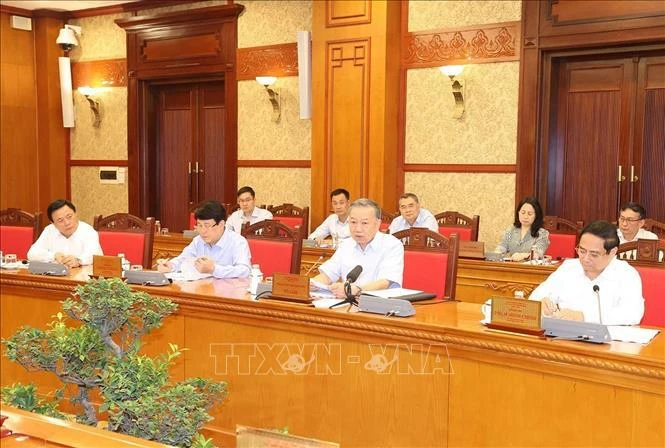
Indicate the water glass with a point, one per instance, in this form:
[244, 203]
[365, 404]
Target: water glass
[165, 231]
[10, 259]
[136, 267]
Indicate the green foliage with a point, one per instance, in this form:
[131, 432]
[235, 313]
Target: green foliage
[199, 441]
[25, 397]
[103, 353]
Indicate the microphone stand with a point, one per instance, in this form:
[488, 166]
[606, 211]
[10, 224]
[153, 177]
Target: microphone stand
[350, 298]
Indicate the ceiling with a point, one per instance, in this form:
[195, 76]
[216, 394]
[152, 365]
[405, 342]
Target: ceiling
[58, 5]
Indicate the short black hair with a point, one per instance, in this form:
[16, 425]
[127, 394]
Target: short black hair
[211, 210]
[634, 206]
[340, 191]
[605, 230]
[246, 189]
[537, 222]
[57, 205]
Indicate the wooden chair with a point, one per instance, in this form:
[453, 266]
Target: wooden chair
[274, 246]
[386, 220]
[128, 234]
[648, 257]
[291, 215]
[454, 222]
[430, 261]
[656, 227]
[563, 236]
[18, 230]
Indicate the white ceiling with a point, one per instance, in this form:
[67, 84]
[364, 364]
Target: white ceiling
[58, 5]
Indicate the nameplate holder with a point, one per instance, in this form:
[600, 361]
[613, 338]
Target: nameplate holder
[290, 288]
[472, 249]
[107, 267]
[516, 316]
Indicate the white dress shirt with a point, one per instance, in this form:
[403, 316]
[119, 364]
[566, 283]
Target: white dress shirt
[230, 255]
[425, 219]
[330, 226]
[83, 244]
[641, 234]
[382, 259]
[620, 292]
[238, 218]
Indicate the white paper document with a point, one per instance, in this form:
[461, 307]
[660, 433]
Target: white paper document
[392, 292]
[631, 334]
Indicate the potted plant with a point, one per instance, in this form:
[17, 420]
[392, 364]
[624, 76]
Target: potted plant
[103, 354]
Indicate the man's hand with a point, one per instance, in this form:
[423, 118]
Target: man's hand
[204, 265]
[164, 265]
[338, 289]
[548, 307]
[318, 240]
[68, 260]
[568, 314]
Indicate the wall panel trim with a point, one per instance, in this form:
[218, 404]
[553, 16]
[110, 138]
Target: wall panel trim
[98, 162]
[100, 73]
[268, 60]
[459, 168]
[274, 164]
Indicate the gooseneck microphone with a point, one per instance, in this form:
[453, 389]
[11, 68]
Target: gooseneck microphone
[351, 277]
[316, 264]
[596, 290]
[353, 274]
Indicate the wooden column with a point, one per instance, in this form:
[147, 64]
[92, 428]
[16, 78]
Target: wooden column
[355, 91]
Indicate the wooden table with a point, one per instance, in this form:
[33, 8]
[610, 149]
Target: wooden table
[438, 378]
[476, 279]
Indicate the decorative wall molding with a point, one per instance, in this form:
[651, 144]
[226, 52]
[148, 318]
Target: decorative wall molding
[348, 13]
[274, 164]
[458, 168]
[98, 162]
[469, 45]
[101, 73]
[269, 60]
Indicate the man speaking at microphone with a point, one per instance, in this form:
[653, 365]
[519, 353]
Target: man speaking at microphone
[596, 287]
[381, 256]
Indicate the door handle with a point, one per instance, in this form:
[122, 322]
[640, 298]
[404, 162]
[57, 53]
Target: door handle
[189, 184]
[196, 171]
[633, 177]
[621, 177]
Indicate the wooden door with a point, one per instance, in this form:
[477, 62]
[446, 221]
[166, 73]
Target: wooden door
[189, 149]
[593, 146]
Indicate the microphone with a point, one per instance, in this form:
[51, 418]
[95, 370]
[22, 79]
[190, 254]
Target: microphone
[596, 290]
[353, 274]
[316, 263]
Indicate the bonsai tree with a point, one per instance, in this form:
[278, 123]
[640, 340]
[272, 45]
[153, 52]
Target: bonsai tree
[103, 354]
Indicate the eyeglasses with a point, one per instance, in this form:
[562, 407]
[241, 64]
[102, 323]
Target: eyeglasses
[582, 252]
[624, 219]
[206, 226]
[65, 218]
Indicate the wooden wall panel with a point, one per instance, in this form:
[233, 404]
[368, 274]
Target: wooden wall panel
[269, 60]
[349, 12]
[100, 73]
[18, 111]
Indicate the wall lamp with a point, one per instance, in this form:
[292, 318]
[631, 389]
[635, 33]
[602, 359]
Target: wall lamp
[453, 71]
[273, 95]
[93, 101]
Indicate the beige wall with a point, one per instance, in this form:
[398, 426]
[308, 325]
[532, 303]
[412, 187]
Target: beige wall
[486, 133]
[262, 23]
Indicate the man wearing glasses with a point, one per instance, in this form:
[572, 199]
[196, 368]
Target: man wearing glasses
[66, 240]
[412, 215]
[248, 212]
[214, 251]
[631, 223]
[596, 287]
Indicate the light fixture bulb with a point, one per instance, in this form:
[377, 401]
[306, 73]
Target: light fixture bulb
[452, 70]
[266, 80]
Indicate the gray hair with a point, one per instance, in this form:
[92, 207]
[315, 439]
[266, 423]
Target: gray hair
[364, 202]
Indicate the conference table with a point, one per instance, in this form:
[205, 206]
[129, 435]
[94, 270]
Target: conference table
[476, 279]
[439, 378]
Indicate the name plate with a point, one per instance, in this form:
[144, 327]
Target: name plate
[516, 315]
[103, 266]
[290, 287]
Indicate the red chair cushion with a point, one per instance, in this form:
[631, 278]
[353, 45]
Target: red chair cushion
[128, 243]
[562, 245]
[384, 226]
[271, 256]
[289, 221]
[464, 233]
[16, 240]
[653, 291]
[192, 221]
[425, 271]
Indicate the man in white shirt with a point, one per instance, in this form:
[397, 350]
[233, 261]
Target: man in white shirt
[596, 287]
[631, 223]
[412, 215]
[247, 212]
[66, 240]
[337, 223]
[214, 251]
[380, 255]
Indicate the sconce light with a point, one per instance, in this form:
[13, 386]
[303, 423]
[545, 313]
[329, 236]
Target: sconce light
[452, 71]
[273, 95]
[89, 94]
